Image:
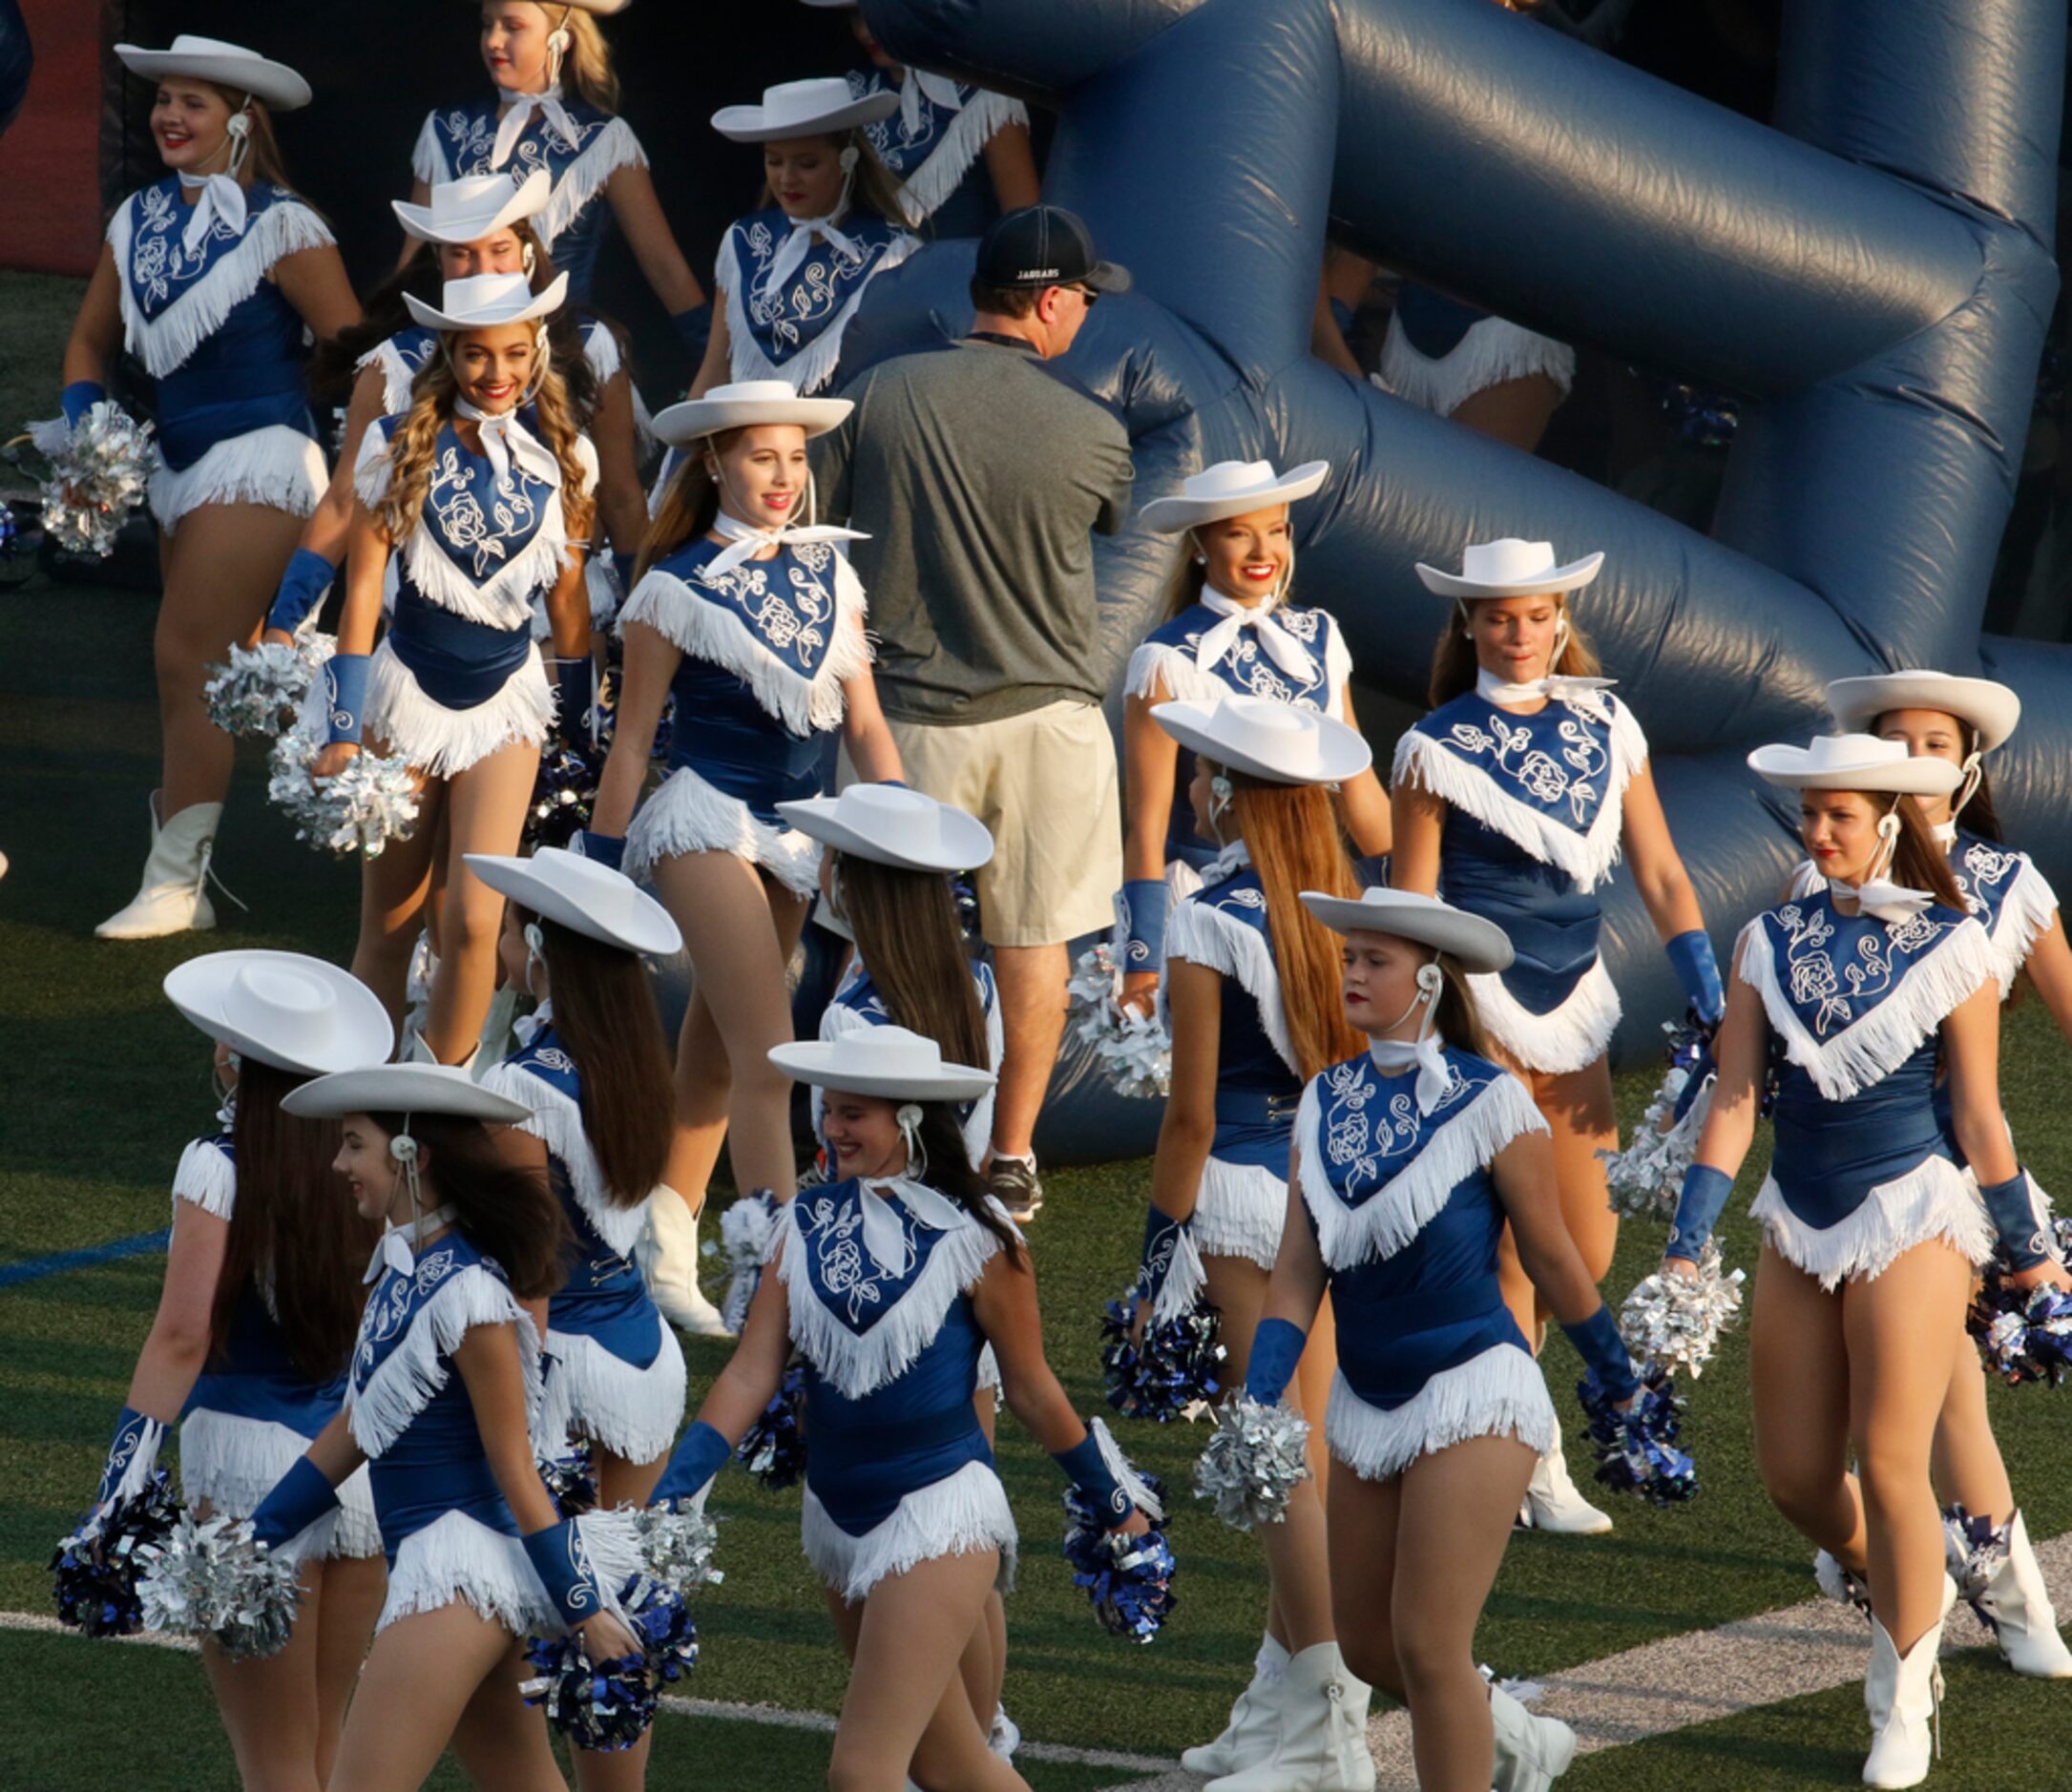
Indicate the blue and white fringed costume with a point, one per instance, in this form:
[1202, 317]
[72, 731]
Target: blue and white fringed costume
[1407, 1220]
[446, 1527]
[580, 147]
[1860, 1172]
[933, 145]
[1243, 1199]
[1537, 812]
[614, 1372]
[878, 1279]
[766, 646]
[789, 300]
[457, 676]
[252, 1413]
[226, 347]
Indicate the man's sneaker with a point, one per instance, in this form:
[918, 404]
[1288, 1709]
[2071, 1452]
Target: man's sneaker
[1012, 1182]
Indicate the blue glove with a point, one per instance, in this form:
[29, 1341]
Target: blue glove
[80, 397]
[303, 585]
[623, 565]
[344, 693]
[1090, 1474]
[575, 685]
[699, 1454]
[131, 1454]
[1694, 1085]
[1698, 1208]
[2025, 1231]
[605, 848]
[694, 328]
[1690, 957]
[298, 1500]
[562, 1564]
[1599, 1346]
[1162, 1235]
[1277, 1346]
[1144, 903]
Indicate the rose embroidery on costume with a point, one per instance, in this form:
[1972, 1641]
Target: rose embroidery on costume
[484, 536]
[1555, 761]
[1874, 958]
[1362, 1133]
[790, 618]
[786, 315]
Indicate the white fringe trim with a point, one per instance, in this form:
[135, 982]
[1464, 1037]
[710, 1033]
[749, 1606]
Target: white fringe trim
[859, 1365]
[206, 1177]
[688, 815]
[277, 466]
[715, 632]
[1586, 857]
[2026, 913]
[427, 154]
[417, 1369]
[814, 364]
[1395, 1215]
[397, 378]
[1933, 1202]
[989, 1373]
[613, 148]
[233, 1463]
[1239, 1209]
[1126, 1472]
[1156, 663]
[1197, 931]
[1499, 1394]
[441, 742]
[163, 343]
[1868, 1049]
[1570, 1038]
[959, 1515]
[1493, 351]
[632, 1412]
[969, 131]
[559, 1123]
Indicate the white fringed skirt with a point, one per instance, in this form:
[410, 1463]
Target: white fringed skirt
[278, 466]
[457, 1559]
[1935, 1202]
[1570, 1038]
[440, 741]
[634, 1412]
[1491, 352]
[232, 1463]
[689, 815]
[961, 1513]
[1499, 1393]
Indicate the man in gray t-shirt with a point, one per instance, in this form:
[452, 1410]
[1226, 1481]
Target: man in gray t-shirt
[980, 474]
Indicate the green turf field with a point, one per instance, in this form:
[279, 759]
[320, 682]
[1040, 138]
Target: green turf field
[107, 1082]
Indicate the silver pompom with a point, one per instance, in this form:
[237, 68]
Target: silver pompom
[212, 1579]
[372, 801]
[1646, 1178]
[676, 1543]
[252, 691]
[1676, 1323]
[100, 471]
[1253, 1463]
[1131, 1049]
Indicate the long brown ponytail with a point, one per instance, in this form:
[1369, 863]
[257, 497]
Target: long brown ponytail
[907, 935]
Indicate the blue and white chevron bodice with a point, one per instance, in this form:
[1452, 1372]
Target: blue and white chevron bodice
[775, 324]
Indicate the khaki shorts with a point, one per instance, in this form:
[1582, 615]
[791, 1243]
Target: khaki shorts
[1045, 783]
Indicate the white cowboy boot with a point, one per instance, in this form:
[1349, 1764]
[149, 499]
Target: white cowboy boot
[1903, 1694]
[170, 899]
[1532, 1753]
[668, 1256]
[1554, 1502]
[1320, 1739]
[2017, 1604]
[1004, 1736]
[1249, 1736]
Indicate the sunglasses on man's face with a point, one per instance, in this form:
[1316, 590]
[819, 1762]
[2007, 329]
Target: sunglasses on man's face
[1086, 292]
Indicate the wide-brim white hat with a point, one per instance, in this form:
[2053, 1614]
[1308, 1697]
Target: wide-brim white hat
[286, 1009]
[816, 108]
[477, 206]
[484, 299]
[1266, 739]
[227, 65]
[743, 404]
[1476, 944]
[584, 895]
[403, 1089]
[893, 826]
[885, 1061]
[1232, 488]
[1510, 568]
[1854, 761]
[1981, 704]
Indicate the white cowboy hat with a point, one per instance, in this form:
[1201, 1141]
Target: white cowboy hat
[817, 108]
[403, 1089]
[477, 206]
[1981, 703]
[227, 65]
[1232, 488]
[582, 894]
[887, 1061]
[893, 826]
[745, 402]
[1854, 761]
[285, 1009]
[1476, 944]
[1267, 739]
[486, 298]
[1510, 568]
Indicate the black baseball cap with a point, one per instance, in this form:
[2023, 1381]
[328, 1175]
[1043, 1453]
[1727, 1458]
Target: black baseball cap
[1045, 246]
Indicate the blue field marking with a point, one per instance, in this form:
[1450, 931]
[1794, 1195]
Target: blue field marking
[35, 1268]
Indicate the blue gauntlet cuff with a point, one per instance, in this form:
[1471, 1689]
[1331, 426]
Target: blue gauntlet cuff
[562, 1564]
[1144, 904]
[1277, 1346]
[1088, 1471]
[694, 328]
[1690, 957]
[80, 397]
[1597, 1343]
[1163, 1233]
[133, 1452]
[605, 848]
[1698, 1210]
[575, 687]
[2023, 1223]
[344, 693]
[699, 1454]
[296, 1501]
[303, 585]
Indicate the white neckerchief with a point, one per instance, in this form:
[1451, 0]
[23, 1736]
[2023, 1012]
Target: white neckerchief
[396, 1251]
[937, 89]
[222, 198]
[1578, 693]
[1282, 648]
[1945, 832]
[792, 252]
[528, 1028]
[1883, 900]
[505, 442]
[522, 108]
[747, 540]
[885, 1239]
[1428, 1052]
[1232, 857]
